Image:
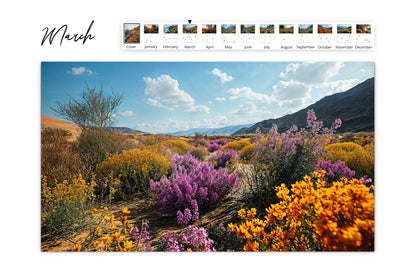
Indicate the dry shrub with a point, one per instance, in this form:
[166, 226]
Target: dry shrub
[60, 159]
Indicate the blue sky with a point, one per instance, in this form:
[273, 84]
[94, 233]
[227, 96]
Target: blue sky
[171, 96]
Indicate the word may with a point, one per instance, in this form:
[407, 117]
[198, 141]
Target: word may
[64, 28]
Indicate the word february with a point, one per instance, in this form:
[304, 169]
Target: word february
[50, 35]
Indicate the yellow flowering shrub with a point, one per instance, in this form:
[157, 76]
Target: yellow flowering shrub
[236, 145]
[312, 217]
[64, 205]
[134, 168]
[247, 152]
[356, 157]
[176, 145]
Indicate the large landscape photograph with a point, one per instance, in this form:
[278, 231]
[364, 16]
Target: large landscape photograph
[207, 156]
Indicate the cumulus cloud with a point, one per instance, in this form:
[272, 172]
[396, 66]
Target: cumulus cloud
[154, 103]
[311, 73]
[81, 70]
[127, 113]
[290, 94]
[222, 75]
[246, 108]
[201, 109]
[165, 92]
[246, 92]
[220, 99]
[342, 85]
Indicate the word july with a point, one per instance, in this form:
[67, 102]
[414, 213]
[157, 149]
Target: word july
[63, 30]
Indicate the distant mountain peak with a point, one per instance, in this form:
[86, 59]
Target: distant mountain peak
[355, 107]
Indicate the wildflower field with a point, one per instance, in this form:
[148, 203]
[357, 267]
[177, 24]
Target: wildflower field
[303, 189]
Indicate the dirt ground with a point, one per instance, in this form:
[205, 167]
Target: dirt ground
[143, 208]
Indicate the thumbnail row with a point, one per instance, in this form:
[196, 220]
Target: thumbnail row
[131, 31]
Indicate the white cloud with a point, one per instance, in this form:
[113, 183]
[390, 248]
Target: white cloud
[291, 95]
[246, 92]
[246, 108]
[223, 76]
[220, 99]
[81, 70]
[311, 73]
[284, 91]
[342, 85]
[166, 93]
[154, 103]
[201, 109]
[127, 113]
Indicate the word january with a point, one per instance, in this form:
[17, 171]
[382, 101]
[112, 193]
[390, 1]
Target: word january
[63, 30]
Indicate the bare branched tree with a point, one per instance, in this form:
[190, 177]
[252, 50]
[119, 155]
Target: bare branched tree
[94, 114]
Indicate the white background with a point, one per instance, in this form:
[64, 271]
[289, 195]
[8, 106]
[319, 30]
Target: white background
[21, 33]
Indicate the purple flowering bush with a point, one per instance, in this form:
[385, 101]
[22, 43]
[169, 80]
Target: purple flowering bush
[217, 144]
[213, 146]
[224, 158]
[286, 158]
[335, 171]
[141, 238]
[192, 186]
[191, 239]
[201, 142]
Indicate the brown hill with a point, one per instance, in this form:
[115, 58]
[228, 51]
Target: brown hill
[53, 123]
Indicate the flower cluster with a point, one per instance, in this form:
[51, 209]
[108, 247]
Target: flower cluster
[64, 205]
[192, 185]
[357, 157]
[191, 239]
[199, 152]
[335, 171]
[113, 235]
[216, 144]
[134, 168]
[224, 158]
[177, 146]
[313, 217]
[141, 238]
[286, 157]
[236, 145]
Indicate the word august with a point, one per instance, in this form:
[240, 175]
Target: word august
[50, 35]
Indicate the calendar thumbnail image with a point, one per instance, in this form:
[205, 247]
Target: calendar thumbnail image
[170, 28]
[248, 28]
[151, 29]
[305, 29]
[267, 28]
[131, 32]
[324, 29]
[228, 29]
[209, 28]
[286, 29]
[344, 29]
[363, 29]
[189, 29]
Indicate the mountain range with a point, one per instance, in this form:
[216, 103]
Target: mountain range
[355, 107]
[227, 130]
